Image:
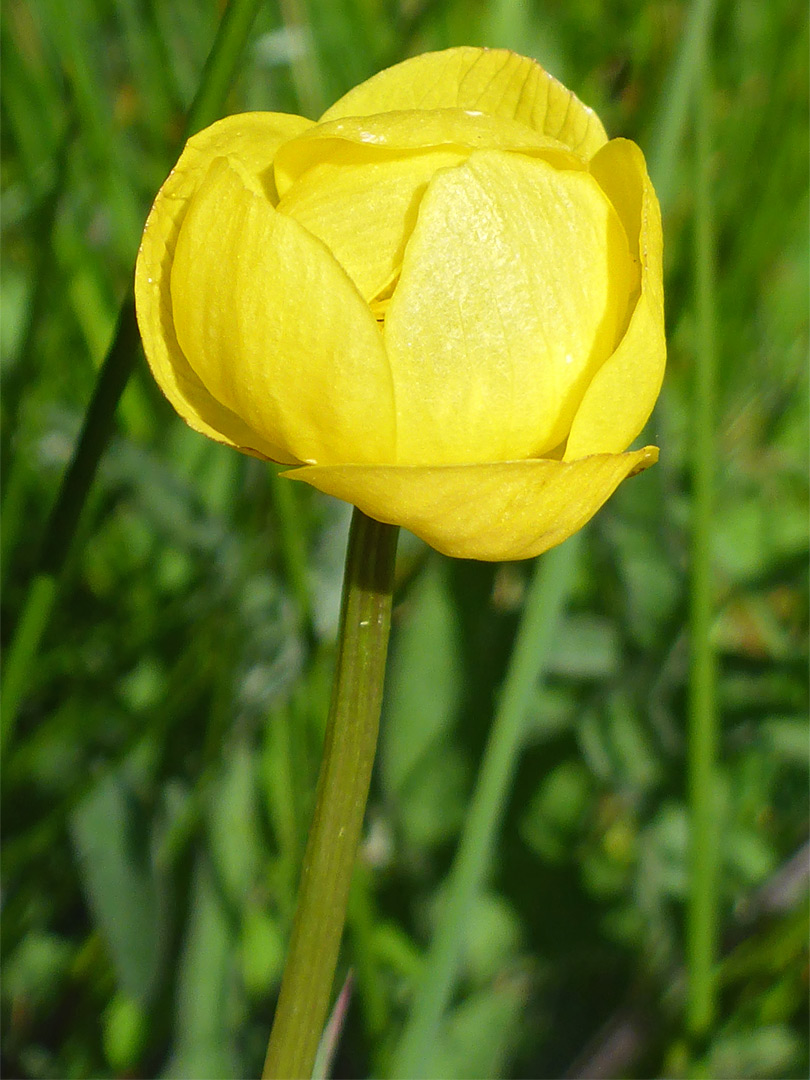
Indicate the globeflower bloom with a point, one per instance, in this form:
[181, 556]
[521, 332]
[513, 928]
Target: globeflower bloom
[442, 302]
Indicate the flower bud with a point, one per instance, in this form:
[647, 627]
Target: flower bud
[442, 302]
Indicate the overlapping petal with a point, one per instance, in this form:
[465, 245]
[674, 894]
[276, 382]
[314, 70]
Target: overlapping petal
[414, 130]
[514, 288]
[493, 511]
[274, 328]
[495, 81]
[619, 400]
[368, 245]
[252, 139]
[357, 184]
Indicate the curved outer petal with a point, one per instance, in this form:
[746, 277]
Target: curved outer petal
[275, 329]
[619, 400]
[495, 81]
[382, 165]
[514, 289]
[494, 512]
[252, 139]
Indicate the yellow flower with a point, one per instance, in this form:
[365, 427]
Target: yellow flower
[442, 302]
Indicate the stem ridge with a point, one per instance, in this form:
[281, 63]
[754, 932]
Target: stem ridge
[348, 757]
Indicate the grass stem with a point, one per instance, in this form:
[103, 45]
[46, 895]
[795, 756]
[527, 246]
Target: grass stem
[701, 926]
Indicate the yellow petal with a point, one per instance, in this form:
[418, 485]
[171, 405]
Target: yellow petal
[618, 402]
[357, 183]
[499, 511]
[275, 330]
[413, 130]
[514, 288]
[365, 212]
[495, 81]
[252, 139]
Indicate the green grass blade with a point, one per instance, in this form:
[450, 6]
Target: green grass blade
[119, 881]
[76, 23]
[220, 70]
[64, 517]
[22, 651]
[95, 433]
[544, 605]
[293, 542]
[222, 64]
[702, 917]
[677, 97]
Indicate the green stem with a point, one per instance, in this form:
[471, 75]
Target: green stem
[220, 69]
[348, 756]
[701, 927]
[544, 605]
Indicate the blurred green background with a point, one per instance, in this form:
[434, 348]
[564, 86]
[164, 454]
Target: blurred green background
[157, 786]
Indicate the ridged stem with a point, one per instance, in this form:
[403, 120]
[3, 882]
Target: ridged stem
[349, 749]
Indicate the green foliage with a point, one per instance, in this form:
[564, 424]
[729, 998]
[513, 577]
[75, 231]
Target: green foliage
[158, 784]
